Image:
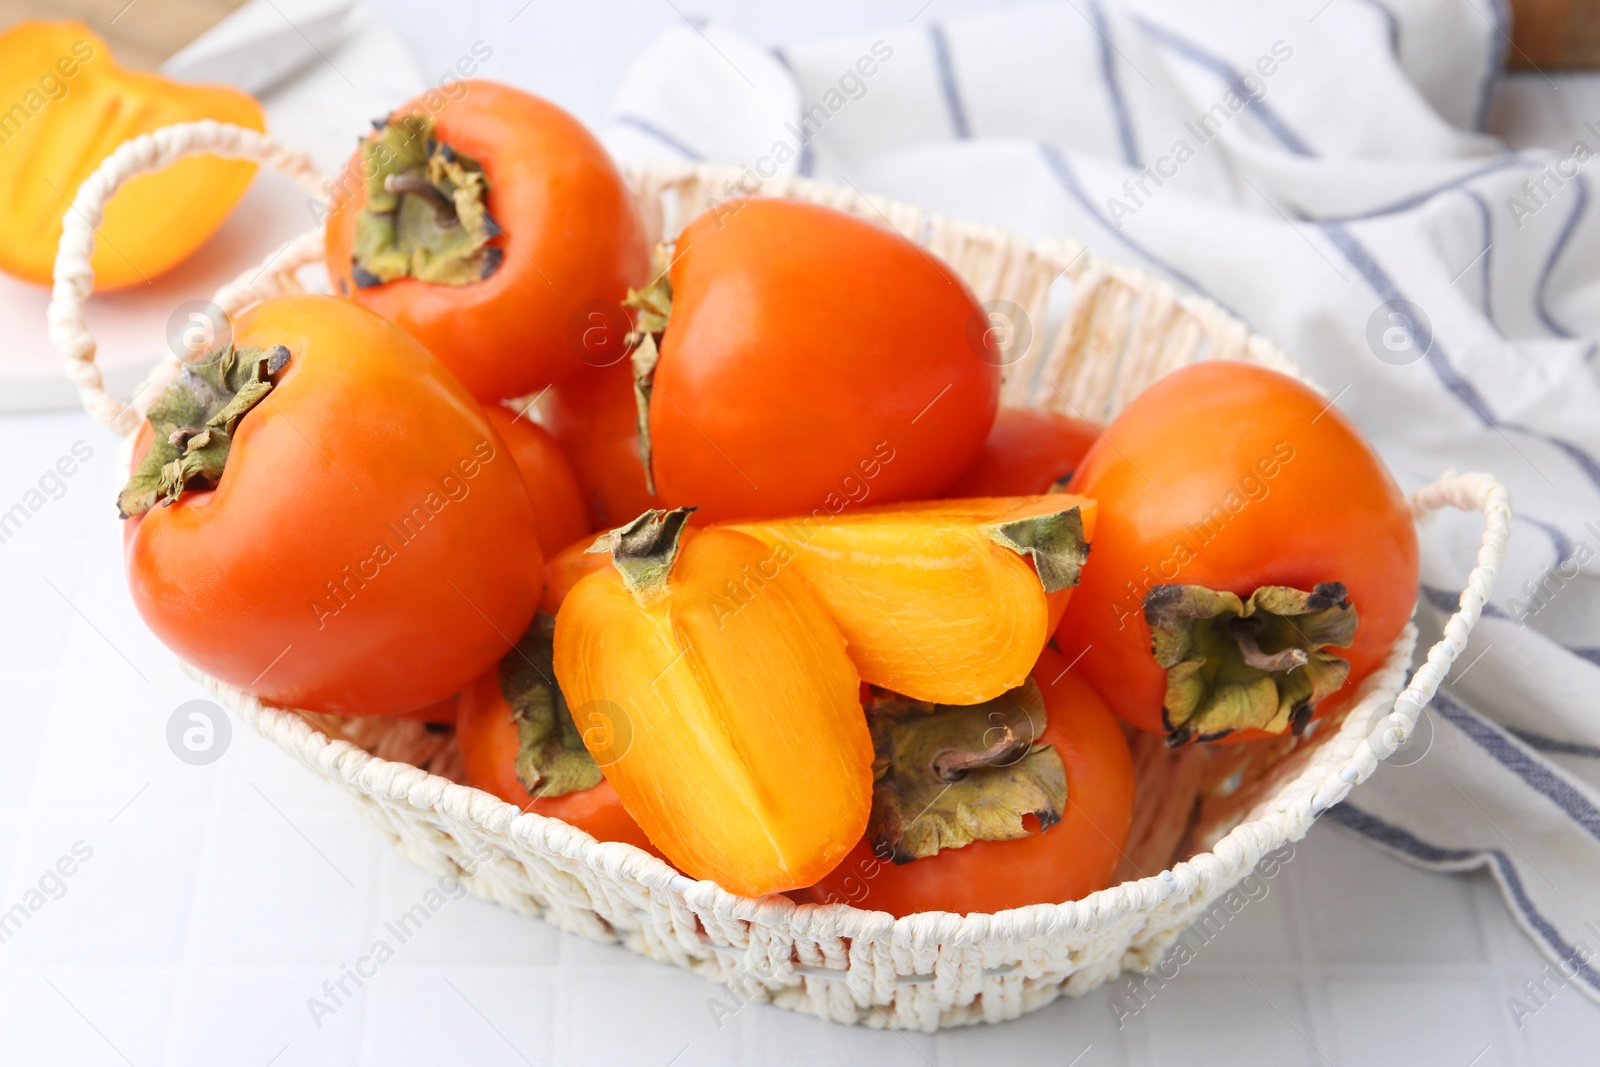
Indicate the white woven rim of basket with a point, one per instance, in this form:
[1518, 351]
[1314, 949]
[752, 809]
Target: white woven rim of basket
[1122, 330]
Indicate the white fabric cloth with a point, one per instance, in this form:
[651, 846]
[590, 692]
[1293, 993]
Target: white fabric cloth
[1306, 169]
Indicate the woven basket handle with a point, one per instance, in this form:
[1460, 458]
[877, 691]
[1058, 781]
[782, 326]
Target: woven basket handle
[1466, 492]
[74, 278]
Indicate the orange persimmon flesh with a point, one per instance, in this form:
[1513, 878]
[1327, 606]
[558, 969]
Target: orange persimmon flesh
[738, 742]
[931, 604]
[71, 104]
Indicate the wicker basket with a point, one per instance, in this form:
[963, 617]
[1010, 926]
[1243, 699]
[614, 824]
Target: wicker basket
[1205, 816]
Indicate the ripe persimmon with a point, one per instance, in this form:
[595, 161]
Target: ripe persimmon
[1027, 452]
[793, 352]
[1256, 560]
[552, 486]
[484, 226]
[595, 420]
[321, 515]
[1024, 800]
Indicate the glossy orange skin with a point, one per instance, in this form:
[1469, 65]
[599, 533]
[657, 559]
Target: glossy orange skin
[566, 569]
[552, 487]
[440, 711]
[571, 237]
[363, 428]
[1027, 451]
[1196, 464]
[595, 421]
[488, 740]
[804, 346]
[1066, 862]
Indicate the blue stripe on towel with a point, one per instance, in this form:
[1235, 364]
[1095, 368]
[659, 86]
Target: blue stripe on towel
[1406, 843]
[647, 127]
[947, 82]
[1508, 752]
[1391, 22]
[807, 162]
[1119, 104]
[1438, 361]
[1499, 46]
[1412, 200]
[1541, 743]
[1257, 105]
[1555, 253]
[1069, 181]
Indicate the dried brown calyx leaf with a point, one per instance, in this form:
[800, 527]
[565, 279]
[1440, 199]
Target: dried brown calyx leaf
[948, 775]
[194, 423]
[653, 307]
[645, 549]
[551, 758]
[426, 214]
[1261, 663]
[1054, 542]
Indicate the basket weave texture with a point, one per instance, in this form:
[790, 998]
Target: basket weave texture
[1100, 333]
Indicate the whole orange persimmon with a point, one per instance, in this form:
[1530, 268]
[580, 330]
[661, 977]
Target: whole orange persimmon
[552, 486]
[595, 420]
[1028, 849]
[486, 227]
[322, 516]
[1255, 559]
[1027, 451]
[796, 357]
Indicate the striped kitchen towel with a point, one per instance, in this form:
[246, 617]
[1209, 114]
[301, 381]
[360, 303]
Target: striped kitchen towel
[1323, 170]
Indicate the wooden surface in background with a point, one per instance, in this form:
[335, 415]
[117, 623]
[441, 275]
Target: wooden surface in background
[1555, 34]
[1547, 34]
[141, 34]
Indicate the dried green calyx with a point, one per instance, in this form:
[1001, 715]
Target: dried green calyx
[194, 423]
[426, 214]
[654, 306]
[644, 550]
[1054, 543]
[945, 775]
[1234, 664]
[551, 759]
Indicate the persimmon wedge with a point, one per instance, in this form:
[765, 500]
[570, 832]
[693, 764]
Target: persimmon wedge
[946, 601]
[737, 743]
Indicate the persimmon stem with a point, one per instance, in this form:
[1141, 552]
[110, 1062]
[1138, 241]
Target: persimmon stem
[952, 764]
[444, 209]
[1220, 678]
[1244, 632]
[427, 210]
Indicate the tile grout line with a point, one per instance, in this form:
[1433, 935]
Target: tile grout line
[1501, 981]
[1310, 965]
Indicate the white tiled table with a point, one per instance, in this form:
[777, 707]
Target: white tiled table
[219, 899]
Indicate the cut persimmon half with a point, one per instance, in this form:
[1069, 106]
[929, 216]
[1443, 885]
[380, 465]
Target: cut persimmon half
[738, 744]
[946, 601]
